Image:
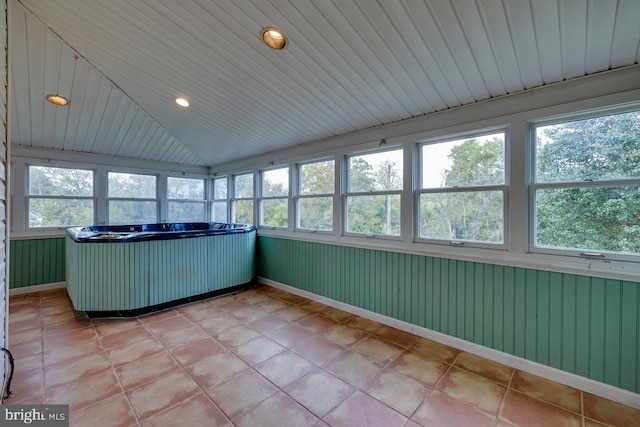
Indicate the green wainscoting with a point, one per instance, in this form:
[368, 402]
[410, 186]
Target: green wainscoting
[583, 325]
[36, 262]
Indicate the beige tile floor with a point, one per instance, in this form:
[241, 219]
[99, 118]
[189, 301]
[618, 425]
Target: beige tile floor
[265, 357]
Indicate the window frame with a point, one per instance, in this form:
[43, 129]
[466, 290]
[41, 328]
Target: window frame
[29, 196]
[202, 201]
[234, 199]
[134, 199]
[533, 185]
[262, 198]
[298, 196]
[346, 193]
[213, 200]
[503, 188]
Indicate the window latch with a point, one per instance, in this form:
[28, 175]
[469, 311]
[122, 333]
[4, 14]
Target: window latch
[456, 243]
[591, 255]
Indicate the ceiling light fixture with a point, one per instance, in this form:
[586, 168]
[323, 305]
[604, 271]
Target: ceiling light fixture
[57, 100]
[274, 38]
[182, 102]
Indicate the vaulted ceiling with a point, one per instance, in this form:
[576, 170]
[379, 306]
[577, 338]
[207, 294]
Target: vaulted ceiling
[349, 65]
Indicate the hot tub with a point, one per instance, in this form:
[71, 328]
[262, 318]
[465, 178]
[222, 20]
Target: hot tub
[127, 270]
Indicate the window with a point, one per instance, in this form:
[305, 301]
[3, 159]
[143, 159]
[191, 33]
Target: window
[185, 198]
[59, 197]
[219, 204]
[315, 196]
[586, 186]
[274, 203]
[373, 196]
[132, 198]
[463, 190]
[242, 202]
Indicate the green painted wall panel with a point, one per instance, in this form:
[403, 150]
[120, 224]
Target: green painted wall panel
[569, 318]
[630, 324]
[583, 325]
[555, 320]
[36, 262]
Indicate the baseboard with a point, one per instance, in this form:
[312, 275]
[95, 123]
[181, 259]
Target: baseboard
[37, 288]
[572, 380]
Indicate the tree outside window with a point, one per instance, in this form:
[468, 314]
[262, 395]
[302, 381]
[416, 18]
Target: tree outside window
[59, 197]
[132, 198]
[463, 189]
[242, 202]
[373, 199]
[274, 203]
[315, 199]
[587, 184]
[186, 199]
[219, 204]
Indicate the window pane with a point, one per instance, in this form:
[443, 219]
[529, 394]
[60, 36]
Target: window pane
[243, 186]
[186, 211]
[374, 214]
[275, 182]
[219, 211]
[316, 213]
[243, 212]
[46, 181]
[275, 212]
[317, 178]
[220, 188]
[475, 216]
[132, 212]
[464, 162]
[599, 148]
[132, 186]
[51, 212]
[185, 188]
[594, 218]
[376, 172]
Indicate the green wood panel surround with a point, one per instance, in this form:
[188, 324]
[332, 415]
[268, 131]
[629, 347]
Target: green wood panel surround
[583, 325]
[115, 276]
[36, 262]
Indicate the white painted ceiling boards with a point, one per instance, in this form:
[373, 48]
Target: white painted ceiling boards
[350, 65]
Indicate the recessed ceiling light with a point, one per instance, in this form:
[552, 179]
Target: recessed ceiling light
[274, 38]
[57, 100]
[182, 102]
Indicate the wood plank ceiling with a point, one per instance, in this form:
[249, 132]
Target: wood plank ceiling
[350, 65]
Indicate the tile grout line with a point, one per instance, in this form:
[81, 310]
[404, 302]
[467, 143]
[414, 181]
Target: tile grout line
[182, 368]
[115, 373]
[504, 398]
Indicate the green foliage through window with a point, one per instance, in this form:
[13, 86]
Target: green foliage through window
[463, 196]
[587, 190]
[379, 213]
[317, 186]
[275, 202]
[59, 197]
[132, 198]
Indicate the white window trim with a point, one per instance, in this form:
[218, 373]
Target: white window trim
[156, 199]
[212, 200]
[202, 201]
[28, 196]
[504, 188]
[533, 185]
[261, 199]
[297, 195]
[383, 147]
[231, 189]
